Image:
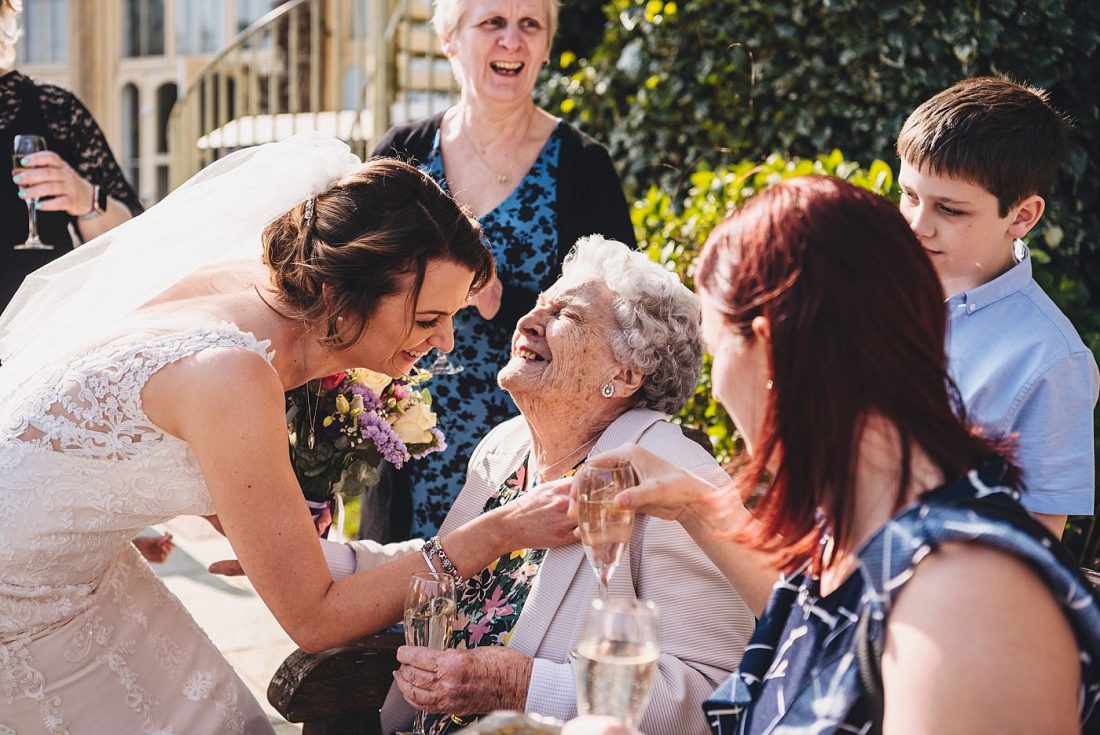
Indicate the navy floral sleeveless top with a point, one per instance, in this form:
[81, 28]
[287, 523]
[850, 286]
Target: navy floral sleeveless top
[800, 672]
[522, 232]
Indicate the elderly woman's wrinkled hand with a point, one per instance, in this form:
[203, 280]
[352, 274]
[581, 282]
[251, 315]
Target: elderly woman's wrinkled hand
[463, 682]
[539, 519]
[596, 725]
[671, 492]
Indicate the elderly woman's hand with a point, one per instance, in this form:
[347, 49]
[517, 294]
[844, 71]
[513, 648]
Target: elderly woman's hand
[464, 682]
[51, 181]
[539, 519]
[596, 725]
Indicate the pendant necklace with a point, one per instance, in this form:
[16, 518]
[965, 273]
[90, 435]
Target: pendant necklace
[311, 438]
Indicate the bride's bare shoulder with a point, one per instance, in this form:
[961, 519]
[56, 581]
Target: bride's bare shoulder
[214, 280]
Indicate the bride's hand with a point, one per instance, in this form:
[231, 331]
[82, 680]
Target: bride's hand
[226, 568]
[537, 520]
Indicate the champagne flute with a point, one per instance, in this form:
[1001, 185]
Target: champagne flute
[605, 527]
[442, 366]
[24, 146]
[616, 659]
[429, 616]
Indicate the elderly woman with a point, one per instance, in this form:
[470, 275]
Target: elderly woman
[608, 352]
[535, 183]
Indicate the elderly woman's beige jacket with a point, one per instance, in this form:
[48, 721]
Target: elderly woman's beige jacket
[704, 623]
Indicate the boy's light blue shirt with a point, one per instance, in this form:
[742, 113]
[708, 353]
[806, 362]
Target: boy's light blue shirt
[1023, 371]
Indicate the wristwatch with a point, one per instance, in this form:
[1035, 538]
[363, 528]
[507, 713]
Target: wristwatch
[99, 203]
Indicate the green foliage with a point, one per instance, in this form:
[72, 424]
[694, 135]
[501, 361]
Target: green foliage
[673, 235]
[678, 86]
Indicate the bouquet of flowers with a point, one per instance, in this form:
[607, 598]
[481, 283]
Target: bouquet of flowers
[356, 419]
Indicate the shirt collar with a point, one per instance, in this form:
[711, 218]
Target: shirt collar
[1014, 279]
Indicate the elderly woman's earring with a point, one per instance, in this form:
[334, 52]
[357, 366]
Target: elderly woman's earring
[769, 384]
[608, 390]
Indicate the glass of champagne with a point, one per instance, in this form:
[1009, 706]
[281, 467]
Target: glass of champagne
[429, 617]
[24, 146]
[443, 366]
[616, 659]
[605, 527]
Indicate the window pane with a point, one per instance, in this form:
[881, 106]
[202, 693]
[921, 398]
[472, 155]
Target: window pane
[199, 27]
[154, 14]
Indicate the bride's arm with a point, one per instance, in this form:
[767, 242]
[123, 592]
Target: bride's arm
[228, 405]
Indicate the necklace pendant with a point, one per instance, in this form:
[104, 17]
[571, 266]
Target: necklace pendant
[502, 179]
[311, 440]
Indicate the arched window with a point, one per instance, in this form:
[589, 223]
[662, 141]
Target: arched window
[166, 97]
[131, 134]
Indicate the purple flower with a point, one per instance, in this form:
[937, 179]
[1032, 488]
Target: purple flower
[375, 428]
[370, 400]
[438, 444]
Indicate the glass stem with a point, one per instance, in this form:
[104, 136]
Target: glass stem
[32, 219]
[418, 723]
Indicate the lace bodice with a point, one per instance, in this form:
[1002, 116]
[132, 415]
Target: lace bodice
[82, 468]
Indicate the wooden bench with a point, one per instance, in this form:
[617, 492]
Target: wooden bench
[339, 691]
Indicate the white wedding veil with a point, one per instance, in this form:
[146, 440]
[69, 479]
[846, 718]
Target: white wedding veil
[216, 216]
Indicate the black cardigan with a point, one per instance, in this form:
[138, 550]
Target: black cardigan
[589, 201]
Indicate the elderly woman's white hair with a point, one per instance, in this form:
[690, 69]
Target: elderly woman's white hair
[9, 31]
[659, 318]
[448, 14]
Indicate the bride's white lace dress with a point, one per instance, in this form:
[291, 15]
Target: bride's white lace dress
[90, 640]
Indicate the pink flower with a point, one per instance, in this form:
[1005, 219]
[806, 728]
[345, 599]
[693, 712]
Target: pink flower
[478, 630]
[494, 608]
[332, 381]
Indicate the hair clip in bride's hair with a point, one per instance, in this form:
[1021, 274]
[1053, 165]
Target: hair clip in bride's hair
[310, 204]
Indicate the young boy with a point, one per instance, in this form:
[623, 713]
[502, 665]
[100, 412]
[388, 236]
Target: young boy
[975, 161]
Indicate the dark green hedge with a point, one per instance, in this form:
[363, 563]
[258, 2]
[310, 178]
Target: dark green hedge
[673, 88]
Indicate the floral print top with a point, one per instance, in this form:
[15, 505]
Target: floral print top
[490, 603]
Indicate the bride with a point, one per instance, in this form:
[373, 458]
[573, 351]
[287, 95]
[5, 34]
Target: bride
[143, 378]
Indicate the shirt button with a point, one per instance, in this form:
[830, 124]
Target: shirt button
[971, 308]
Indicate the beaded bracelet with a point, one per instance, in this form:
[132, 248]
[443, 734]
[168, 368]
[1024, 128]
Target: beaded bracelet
[434, 547]
[427, 558]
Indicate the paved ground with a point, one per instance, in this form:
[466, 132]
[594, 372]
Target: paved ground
[228, 609]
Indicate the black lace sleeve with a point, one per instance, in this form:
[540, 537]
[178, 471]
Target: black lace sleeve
[71, 125]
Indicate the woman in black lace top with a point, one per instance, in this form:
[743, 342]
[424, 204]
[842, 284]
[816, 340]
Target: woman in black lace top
[78, 182]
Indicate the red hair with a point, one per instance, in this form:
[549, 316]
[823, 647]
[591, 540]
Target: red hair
[858, 324]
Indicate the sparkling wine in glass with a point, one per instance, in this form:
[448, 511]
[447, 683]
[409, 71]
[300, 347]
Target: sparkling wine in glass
[24, 146]
[605, 527]
[616, 659]
[443, 366]
[429, 617]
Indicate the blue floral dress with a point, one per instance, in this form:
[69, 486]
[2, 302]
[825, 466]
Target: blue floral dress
[522, 232]
[800, 672]
[491, 601]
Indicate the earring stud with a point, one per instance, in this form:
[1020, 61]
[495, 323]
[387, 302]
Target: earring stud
[608, 390]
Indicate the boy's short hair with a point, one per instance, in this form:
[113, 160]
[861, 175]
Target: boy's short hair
[991, 131]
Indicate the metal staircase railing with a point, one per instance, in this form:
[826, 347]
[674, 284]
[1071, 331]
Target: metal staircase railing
[349, 68]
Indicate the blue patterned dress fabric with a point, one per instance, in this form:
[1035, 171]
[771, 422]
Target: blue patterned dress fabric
[800, 673]
[522, 232]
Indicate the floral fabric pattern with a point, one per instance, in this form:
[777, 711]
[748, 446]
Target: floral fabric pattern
[491, 602]
[800, 672]
[522, 233]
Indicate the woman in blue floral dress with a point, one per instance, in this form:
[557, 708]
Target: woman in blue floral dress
[914, 593]
[536, 184]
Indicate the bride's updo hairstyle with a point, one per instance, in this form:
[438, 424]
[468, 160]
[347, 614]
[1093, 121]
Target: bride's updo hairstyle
[368, 236]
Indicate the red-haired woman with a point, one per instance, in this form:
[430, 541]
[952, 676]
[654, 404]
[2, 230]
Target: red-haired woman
[893, 527]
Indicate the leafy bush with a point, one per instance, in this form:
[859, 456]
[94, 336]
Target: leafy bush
[675, 87]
